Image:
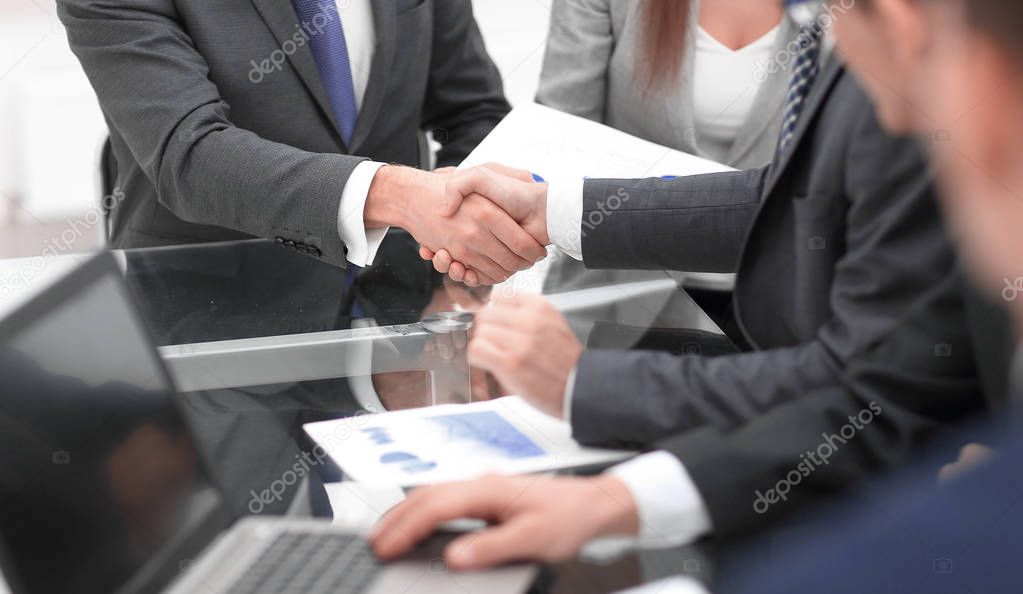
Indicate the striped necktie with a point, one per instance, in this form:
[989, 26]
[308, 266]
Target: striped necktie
[804, 73]
[330, 51]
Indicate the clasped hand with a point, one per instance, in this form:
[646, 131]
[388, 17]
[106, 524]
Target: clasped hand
[480, 225]
[511, 189]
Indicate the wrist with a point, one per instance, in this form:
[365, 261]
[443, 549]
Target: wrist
[385, 201]
[619, 514]
[541, 214]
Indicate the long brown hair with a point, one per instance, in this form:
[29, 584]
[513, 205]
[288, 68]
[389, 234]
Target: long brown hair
[664, 41]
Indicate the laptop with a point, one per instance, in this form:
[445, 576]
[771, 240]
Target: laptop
[103, 489]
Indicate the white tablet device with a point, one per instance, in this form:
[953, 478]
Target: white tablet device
[454, 442]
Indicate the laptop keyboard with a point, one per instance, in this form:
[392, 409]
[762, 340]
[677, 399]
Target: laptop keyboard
[310, 563]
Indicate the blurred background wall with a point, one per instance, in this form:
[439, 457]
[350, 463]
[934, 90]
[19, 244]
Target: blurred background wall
[51, 129]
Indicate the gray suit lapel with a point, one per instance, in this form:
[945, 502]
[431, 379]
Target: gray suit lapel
[814, 103]
[386, 24]
[281, 19]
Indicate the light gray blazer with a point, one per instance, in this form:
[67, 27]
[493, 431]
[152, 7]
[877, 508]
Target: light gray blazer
[590, 71]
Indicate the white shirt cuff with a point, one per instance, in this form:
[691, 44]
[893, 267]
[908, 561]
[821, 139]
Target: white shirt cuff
[566, 403]
[362, 243]
[671, 509]
[565, 216]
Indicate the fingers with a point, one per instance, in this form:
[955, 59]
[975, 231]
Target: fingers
[971, 456]
[519, 174]
[456, 271]
[452, 201]
[470, 278]
[427, 508]
[516, 540]
[506, 238]
[442, 261]
[445, 170]
[425, 253]
[487, 269]
[485, 182]
[500, 341]
[525, 251]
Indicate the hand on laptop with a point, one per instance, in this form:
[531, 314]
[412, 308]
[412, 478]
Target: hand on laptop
[535, 518]
[511, 189]
[971, 457]
[442, 211]
[528, 346]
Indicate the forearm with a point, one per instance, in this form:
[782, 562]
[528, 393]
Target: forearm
[694, 224]
[233, 179]
[796, 455]
[641, 396]
[638, 397]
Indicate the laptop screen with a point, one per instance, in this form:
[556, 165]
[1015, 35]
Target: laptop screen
[101, 486]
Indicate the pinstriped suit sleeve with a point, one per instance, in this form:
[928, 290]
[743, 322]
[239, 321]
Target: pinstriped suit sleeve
[691, 224]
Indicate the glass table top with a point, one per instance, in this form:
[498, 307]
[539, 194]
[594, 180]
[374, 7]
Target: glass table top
[252, 289]
[261, 340]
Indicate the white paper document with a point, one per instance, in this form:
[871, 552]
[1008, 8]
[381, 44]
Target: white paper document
[559, 146]
[453, 442]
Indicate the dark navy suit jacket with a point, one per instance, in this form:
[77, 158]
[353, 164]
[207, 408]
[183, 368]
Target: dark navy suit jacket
[906, 537]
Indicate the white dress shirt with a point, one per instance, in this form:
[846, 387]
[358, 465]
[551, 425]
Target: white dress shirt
[724, 88]
[360, 35]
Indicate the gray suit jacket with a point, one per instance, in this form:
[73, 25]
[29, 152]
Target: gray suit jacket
[590, 70]
[211, 142]
[847, 289]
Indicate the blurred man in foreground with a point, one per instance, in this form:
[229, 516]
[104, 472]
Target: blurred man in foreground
[910, 536]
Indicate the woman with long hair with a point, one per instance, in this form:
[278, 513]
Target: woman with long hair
[693, 75]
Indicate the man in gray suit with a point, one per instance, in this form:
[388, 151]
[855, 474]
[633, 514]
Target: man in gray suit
[258, 118]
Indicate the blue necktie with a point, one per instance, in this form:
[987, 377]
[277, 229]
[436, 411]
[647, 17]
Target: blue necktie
[804, 73]
[330, 51]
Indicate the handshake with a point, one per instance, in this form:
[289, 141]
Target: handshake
[479, 226]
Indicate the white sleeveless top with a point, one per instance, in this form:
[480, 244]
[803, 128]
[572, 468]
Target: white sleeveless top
[724, 88]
